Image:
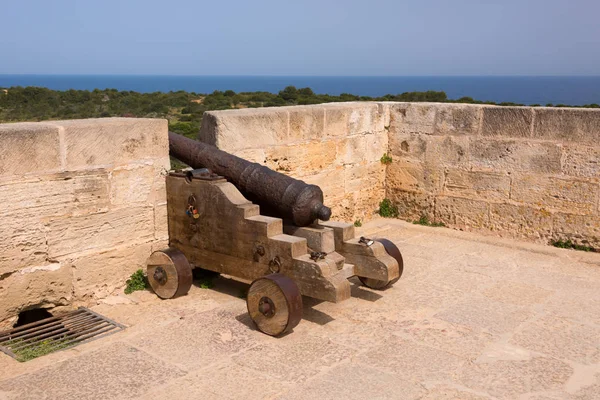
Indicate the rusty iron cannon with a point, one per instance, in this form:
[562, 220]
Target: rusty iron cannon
[293, 252]
[275, 192]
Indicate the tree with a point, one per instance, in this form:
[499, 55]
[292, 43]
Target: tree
[290, 93]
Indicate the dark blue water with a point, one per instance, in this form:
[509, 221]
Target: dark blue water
[518, 89]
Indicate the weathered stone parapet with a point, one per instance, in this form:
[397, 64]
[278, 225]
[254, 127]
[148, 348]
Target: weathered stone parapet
[337, 146]
[82, 203]
[517, 171]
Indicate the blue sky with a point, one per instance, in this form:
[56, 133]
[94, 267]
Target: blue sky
[301, 37]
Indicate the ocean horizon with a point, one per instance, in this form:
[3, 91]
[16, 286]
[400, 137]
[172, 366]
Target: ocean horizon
[568, 90]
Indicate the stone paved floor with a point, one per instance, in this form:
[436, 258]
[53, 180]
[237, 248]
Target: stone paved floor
[472, 318]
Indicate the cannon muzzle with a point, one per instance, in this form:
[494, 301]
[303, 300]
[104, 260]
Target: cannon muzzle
[276, 193]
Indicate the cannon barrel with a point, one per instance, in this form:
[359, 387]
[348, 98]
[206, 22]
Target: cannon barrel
[287, 197]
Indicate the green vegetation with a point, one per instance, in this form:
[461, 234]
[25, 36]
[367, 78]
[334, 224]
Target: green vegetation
[137, 281]
[204, 277]
[39, 349]
[184, 110]
[424, 220]
[358, 223]
[568, 244]
[387, 209]
[386, 159]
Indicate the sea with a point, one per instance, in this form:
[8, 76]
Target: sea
[568, 90]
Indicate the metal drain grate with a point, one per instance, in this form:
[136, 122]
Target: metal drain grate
[56, 333]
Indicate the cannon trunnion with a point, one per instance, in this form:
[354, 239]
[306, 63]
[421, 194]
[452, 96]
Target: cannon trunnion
[213, 226]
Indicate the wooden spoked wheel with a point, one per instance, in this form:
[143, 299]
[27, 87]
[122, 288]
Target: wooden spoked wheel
[169, 273]
[274, 304]
[393, 251]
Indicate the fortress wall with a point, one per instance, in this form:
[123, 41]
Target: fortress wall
[336, 146]
[83, 204]
[515, 171]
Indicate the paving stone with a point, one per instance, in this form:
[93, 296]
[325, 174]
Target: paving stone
[294, 358]
[400, 356]
[119, 370]
[201, 339]
[482, 313]
[517, 293]
[355, 381]
[561, 338]
[510, 379]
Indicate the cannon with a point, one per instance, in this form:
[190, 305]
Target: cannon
[293, 251]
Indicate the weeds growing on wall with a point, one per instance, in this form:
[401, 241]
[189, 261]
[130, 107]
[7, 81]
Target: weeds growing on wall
[387, 209]
[568, 244]
[386, 159]
[424, 220]
[137, 281]
[358, 223]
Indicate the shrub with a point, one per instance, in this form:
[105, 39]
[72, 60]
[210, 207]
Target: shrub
[358, 223]
[137, 281]
[386, 159]
[387, 209]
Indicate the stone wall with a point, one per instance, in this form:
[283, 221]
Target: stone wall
[83, 204]
[335, 146]
[516, 171]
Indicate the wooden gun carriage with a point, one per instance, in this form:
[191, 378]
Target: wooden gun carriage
[291, 252]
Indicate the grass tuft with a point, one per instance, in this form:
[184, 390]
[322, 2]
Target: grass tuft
[424, 220]
[387, 209]
[137, 281]
[358, 223]
[568, 244]
[386, 159]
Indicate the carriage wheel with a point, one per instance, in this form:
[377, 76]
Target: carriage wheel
[274, 304]
[169, 273]
[393, 251]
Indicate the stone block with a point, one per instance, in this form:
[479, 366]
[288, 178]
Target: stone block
[113, 141]
[29, 148]
[458, 119]
[477, 184]
[302, 159]
[521, 221]
[462, 213]
[413, 118]
[566, 194]
[317, 238]
[22, 244]
[352, 118]
[583, 161]
[352, 150]
[364, 177]
[131, 184]
[253, 155]
[412, 205]
[69, 236]
[43, 286]
[513, 155]
[61, 194]
[408, 145]
[331, 182]
[99, 274]
[409, 175]
[306, 123]
[582, 229]
[377, 145]
[209, 131]
[507, 121]
[567, 125]
[447, 150]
